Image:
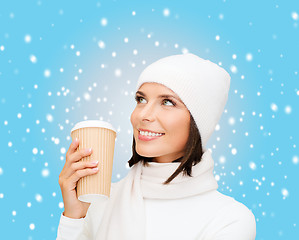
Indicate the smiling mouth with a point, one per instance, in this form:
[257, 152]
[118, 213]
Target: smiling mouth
[148, 138]
[150, 134]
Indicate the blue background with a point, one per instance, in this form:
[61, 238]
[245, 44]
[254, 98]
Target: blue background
[54, 72]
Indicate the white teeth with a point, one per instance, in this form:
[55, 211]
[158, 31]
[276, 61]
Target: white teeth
[150, 134]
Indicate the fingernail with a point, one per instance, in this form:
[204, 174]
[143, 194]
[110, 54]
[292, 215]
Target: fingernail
[95, 163]
[95, 169]
[75, 141]
[88, 150]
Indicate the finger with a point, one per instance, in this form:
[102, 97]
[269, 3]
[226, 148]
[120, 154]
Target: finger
[73, 147]
[82, 173]
[79, 166]
[78, 155]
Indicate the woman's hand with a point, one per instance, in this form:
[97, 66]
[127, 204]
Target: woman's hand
[73, 170]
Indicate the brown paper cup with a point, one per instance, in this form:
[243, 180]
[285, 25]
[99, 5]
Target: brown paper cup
[100, 136]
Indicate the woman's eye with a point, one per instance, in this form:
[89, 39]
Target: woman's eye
[166, 100]
[138, 99]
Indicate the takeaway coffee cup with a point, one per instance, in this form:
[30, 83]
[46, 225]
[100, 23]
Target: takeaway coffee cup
[100, 136]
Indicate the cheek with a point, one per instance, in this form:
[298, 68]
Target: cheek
[178, 128]
[176, 123]
[135, 121]
[133, 118]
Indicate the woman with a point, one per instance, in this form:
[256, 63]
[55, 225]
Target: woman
[170, 191]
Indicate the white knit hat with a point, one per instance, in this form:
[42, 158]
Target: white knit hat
[202, 85]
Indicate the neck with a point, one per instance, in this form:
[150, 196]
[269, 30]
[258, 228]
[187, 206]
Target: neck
[176, 160]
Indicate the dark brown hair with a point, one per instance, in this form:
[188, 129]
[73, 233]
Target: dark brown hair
[192, 156]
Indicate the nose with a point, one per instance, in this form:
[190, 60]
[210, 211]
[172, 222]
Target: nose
[148, 112]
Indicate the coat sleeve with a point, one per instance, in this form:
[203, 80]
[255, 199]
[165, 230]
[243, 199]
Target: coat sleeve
[70, 228]
[238, 223]
[83, 228]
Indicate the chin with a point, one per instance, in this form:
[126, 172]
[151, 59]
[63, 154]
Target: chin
[143, 153]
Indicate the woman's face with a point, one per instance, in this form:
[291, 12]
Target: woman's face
[158, 113]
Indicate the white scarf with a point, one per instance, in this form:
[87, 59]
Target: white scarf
[124, 216]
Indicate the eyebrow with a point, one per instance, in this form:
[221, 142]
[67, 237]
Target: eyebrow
[160, 96]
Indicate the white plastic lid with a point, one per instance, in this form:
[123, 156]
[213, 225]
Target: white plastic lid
[93, 123]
